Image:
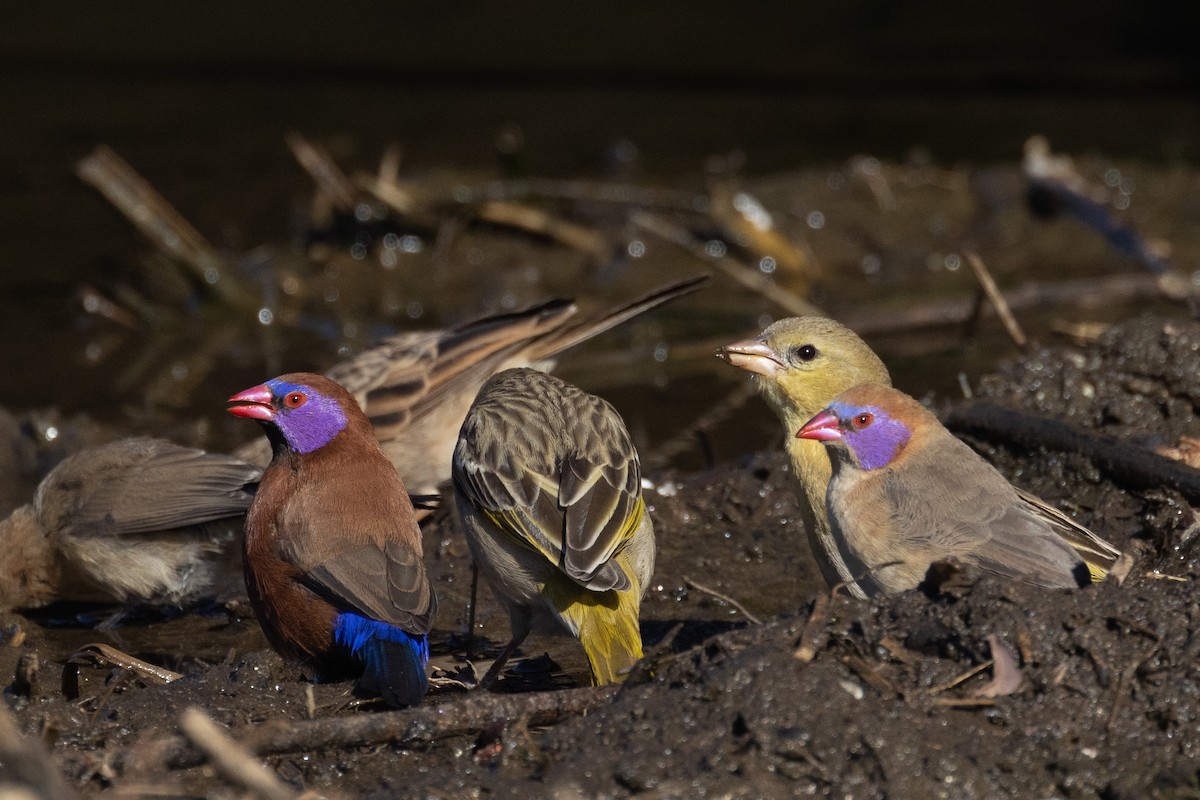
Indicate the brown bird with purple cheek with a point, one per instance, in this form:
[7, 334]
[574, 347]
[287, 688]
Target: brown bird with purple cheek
[332, 551]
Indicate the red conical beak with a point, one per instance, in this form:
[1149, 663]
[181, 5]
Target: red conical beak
[254, 403]
[824, 427]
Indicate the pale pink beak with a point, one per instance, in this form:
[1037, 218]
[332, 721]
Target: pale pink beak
[824, 427]
[254, 403]
[753, 355]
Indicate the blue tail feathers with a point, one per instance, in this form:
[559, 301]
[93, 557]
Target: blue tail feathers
[393, 660]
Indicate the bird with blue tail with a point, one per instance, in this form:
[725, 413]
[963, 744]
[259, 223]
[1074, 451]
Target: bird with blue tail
[332, 551]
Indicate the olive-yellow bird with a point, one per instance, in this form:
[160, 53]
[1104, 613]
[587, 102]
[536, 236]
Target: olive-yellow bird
[800, 365]
[547, 486]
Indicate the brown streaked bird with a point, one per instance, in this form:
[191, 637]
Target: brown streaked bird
[332, 549]
[905, 493]
[800, 364]
[416, 387]
[547, 487]
[135, 520]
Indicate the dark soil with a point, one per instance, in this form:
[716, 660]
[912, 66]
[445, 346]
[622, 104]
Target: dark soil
[1108, 705]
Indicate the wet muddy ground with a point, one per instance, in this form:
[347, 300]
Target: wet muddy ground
[889, 700]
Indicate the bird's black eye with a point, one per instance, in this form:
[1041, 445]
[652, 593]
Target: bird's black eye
[805, 352]
[862, 420]
[295, 399]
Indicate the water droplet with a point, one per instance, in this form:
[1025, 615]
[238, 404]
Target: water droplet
[411, 244]
[871, 264]
[362, 212]
[715, 248]
[816, 220]
[414, 310]
[51, 433]
[953, 262]
[767, 264]
[211, 275]
[1112, 177]
[636, 248]
[1121, 201]
[358, 251]
[661, 351]
[265, 316]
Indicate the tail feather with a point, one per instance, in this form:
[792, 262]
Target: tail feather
[393, 660]
[606, 624]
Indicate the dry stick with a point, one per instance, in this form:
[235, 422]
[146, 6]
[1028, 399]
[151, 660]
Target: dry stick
[699, 587]
[617, 193]
[997, 299]
[1083, 293]
[814, 629]
[158, 220]
[230, 758]
[411, 725]
[540, 223]
[27, 764]
[748, 277]
[330, 180]
[685, 440]
[1124, 462]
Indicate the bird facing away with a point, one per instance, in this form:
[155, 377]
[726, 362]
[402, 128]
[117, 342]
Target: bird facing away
[906, 493]
[800, 365]
[547, 486]
[332, 553]
[136, 520]
[416, 387]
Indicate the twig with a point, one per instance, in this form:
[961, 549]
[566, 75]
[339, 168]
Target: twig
[617, 193]
[538, 222]
[950, 684]
[158, 221]
[686, 439]
[814, 629]
[748, 277]
[1124, 462]
[27, 764]
[411, 725]
[1082, 294]
[691, 584]
[997, 299]
[230, 758]
[328, 176]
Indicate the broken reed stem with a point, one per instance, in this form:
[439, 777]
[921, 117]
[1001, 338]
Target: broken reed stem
[27, 765]
[421, 724]
[997, 299]
[159, 221]
[741, 609]
[747, 276]
[1087, 293]
[327, 175]
[233, 760]
[686, 439]
[1131, 466]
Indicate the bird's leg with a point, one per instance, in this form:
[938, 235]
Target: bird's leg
[494, 671]
[471, 611]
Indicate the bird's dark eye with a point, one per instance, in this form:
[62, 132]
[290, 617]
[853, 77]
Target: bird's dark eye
[295, 399]
[805, 352]
[862, 420]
